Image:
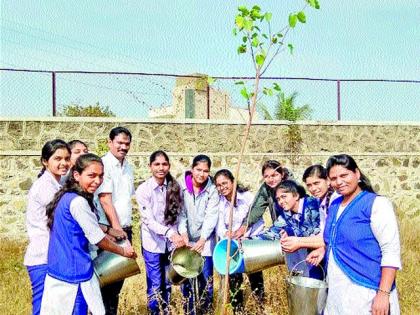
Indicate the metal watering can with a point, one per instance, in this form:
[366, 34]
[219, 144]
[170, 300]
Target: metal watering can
[306, 296]
[185, 264]
[110, 267]
[247, 255]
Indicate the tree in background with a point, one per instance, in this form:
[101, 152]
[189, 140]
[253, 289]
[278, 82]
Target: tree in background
[76, 110]
[286, 109]
[263, 45]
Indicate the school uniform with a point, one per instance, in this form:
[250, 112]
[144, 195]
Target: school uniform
[71, 285]
[361, 238]
[244, 201]
[199, 219]
[156, 246]
[36, 256]
[302, 224]
[119, 182]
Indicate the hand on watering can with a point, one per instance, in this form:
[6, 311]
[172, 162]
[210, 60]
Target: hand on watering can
[177, 240]
[128, 251]
[199, 246]
[119, 235]
[186, 240]
[316, 256]
[239, 232]
[289, 244]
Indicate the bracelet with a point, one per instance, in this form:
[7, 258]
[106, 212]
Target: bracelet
[107, 229]
[384, 291]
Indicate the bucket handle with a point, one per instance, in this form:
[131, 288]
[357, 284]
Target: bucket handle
[293, 269]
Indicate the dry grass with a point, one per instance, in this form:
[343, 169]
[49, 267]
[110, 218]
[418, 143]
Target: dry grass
[15, 292]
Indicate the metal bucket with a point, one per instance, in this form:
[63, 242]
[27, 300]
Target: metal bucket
[185, 264]
[110, 267]
[306, 296]
[247, 255]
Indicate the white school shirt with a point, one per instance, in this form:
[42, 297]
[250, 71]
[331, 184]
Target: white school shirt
[40, 195]
[118, 181]
[244, 202]
[346, 297]
[151, 198]
[59, 296]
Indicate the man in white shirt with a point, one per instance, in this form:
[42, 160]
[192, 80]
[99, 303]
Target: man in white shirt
[114, 200]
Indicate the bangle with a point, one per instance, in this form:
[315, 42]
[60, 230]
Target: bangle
[384, 292]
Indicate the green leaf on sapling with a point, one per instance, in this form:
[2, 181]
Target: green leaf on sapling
[292, 20]
[301, 17]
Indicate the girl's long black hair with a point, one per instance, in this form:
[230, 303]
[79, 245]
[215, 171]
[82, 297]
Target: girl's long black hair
[72, 185]
[349, 163]
[173, 192]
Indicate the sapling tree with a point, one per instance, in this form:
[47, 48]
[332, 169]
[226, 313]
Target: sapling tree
[263, 44]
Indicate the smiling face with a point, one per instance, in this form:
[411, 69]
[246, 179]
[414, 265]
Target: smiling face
[77, 150]
[58, 164]
[160, 168]
[90, 178]
[224, 185]
[272, 177]
[344, 181]
[318, 187]
[119, 146]
[287, 200]
[200, 173]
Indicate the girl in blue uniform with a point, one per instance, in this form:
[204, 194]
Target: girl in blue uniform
[298, 216]
[71, 285]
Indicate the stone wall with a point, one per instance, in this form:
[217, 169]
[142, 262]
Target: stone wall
[388, 153]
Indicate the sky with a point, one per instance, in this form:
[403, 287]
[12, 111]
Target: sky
[343, 40]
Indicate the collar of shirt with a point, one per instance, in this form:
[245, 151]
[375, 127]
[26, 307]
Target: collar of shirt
[50, 178]
[115, 161]
[155, 185]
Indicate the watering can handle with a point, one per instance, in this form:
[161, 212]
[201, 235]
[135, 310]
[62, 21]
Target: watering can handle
[293, 269]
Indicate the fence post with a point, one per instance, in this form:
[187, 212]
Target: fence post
[54, 104]
[338, 101]
[208, 101]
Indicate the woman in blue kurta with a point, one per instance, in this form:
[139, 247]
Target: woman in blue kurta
[362, 245]
[70, 285]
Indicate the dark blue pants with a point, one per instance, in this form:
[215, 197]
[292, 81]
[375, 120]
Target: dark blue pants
[204, 296]
[37, 276]
[158, 286]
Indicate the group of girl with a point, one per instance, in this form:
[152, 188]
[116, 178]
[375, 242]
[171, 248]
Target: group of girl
[193, 212]
[61, 223]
